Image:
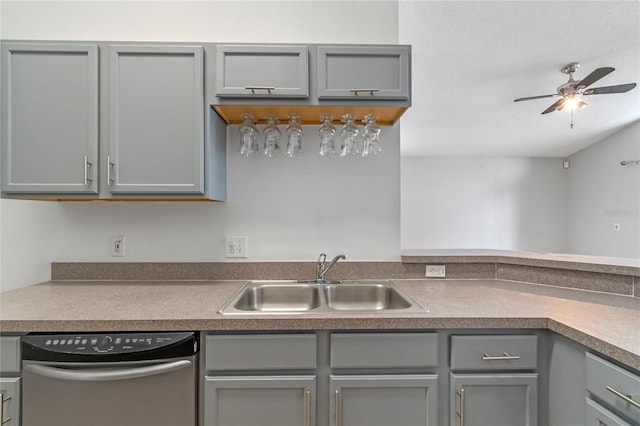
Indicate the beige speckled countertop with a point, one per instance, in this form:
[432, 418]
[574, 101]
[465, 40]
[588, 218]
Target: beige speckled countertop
[609, 324]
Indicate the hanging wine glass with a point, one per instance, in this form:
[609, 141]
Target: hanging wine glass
[371, 136]
[349, 136]
[272, 136]
[294, 136]
[248, 136]
[327, 132]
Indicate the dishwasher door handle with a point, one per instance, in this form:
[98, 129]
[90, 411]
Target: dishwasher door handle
[97, 375]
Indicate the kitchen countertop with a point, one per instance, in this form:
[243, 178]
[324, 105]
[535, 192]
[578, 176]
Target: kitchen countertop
[606, 323]
[577, 262]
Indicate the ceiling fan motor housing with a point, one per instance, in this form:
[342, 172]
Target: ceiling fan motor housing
[570, 68]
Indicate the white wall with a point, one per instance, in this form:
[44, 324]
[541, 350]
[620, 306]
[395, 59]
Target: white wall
[603, 193]
[288, 209]
[483, 202]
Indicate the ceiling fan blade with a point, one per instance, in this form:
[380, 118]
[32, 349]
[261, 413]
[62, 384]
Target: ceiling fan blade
[533, 97]
[620, 88]
[554, 107]
[595, 75]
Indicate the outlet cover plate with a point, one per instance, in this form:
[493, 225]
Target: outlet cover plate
[435, 271]
[235, 247]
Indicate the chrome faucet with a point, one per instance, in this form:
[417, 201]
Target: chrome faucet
[322, 267]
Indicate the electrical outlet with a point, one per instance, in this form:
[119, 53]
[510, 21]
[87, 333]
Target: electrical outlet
[235, 247]
[435, 271]
[117, 246]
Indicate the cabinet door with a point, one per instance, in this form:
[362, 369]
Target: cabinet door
[364, 73]
[156, 141]
[597, 415]
[406, 400]
[259, 400]
[49, 118]
[494, 400]
[262, 71]
[10, 400]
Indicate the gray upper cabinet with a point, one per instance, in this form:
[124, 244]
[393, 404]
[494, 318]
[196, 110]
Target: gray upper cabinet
[262, 71]
[156, 120]
[364, 73]
[49, 118]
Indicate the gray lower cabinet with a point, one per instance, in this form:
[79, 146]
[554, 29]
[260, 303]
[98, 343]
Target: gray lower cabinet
[386, 389]
[488, 385]
[383, 400]
[321, 378]
[494, 399]
[49, 118]
[156, 120]
[260, 379]
[260, 400]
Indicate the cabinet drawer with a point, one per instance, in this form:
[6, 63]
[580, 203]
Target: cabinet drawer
[368, 350]
[494, 352]
[9, 354]
[597, 415]
[262, 71]
[615, 386]
[260, 352]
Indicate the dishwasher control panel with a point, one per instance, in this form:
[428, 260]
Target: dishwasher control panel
[95, 344]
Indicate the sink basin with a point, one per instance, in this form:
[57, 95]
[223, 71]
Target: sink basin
[278, 298]
[289, 297]
[359, 297]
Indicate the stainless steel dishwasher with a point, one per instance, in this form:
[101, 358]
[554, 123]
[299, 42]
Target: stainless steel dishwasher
[115, 379]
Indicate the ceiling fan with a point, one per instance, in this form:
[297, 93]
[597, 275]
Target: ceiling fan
[571, 92]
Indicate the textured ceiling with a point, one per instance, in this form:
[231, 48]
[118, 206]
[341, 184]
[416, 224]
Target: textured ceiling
[470, 59]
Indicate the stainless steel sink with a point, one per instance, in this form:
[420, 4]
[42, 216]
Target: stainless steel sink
[364, 297]
[278, 298]
[288, 297]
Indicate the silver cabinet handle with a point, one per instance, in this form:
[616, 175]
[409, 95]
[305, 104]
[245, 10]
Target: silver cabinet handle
[104, 375]
[87, 164]
[370, 91]
[307, 408]
[109, 166]
[623, 396]
[461, 412]
[2, 401]
[254, 88]
[504, 357]
[336, 403]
